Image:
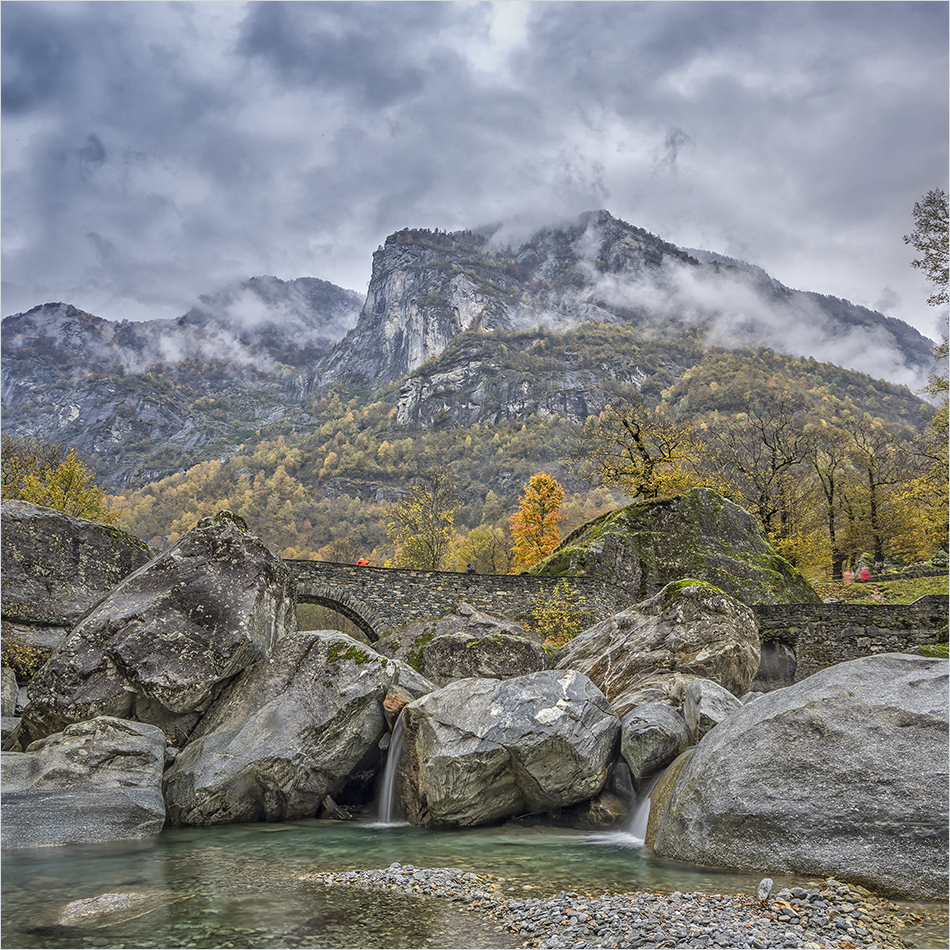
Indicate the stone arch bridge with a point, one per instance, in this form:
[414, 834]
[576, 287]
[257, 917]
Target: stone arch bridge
[379, 599]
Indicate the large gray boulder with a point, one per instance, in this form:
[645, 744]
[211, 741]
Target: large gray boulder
[289, 732]
[644, 546]
[55, 567]
[408, 643]
[843, 774]
[651, 737]
[98, 780]
[167, 639]
[456, 656]
[706, 705]
[653, 651]
[479, 750]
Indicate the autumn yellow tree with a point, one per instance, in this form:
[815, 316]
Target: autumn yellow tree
[534, 526]
[926, 499]
[640, 451]
[422, 524]
[21, 457]
[487, 549]
[42, 474]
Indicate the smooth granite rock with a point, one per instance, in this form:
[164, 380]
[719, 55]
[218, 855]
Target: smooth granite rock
[654, 650]
[290, 731]
[98, 780]
[843, 774]
[167, 639]
[55, 567]
[651, 737]
[480, 750]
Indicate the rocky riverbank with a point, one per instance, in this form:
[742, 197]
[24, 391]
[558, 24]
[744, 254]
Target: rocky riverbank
[830, 914]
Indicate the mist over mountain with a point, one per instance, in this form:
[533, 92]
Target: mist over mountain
[167, 386]
[456, 328]
[427, 287]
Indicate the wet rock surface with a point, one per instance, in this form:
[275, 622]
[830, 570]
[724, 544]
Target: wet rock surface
[96, 781]
[829, 914]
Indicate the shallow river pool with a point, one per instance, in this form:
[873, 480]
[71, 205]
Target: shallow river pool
[237, 885]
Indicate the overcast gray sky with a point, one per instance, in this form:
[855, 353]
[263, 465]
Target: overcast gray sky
[155, 151]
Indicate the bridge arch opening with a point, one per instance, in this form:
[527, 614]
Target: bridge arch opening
[346, 607]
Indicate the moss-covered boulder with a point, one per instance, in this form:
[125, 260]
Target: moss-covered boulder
[644, 546]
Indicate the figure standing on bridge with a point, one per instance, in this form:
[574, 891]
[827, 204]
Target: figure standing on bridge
[470, 569]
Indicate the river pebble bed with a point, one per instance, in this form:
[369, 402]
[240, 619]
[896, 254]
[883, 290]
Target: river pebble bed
[828, 914]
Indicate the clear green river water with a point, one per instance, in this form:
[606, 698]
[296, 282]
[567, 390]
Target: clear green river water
[238, 886]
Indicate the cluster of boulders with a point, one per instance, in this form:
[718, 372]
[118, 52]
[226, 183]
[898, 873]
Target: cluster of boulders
[186, 694]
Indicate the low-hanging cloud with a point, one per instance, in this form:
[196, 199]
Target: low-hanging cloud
[201, 144]
[740, 307]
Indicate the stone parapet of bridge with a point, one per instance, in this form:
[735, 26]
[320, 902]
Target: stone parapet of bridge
[380, 599]
[801, 639]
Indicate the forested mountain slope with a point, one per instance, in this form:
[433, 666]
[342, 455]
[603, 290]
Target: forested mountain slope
[485, 333]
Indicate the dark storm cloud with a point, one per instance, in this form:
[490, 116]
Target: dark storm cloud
[346, 46]
[152, 152]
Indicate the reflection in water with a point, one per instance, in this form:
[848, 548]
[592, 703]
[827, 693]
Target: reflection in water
[238, 886]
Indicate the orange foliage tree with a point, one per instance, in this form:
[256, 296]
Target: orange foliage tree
[534, 525]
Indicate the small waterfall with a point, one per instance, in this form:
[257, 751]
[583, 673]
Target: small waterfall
[640, 813]
[634, 833]
[388, 800]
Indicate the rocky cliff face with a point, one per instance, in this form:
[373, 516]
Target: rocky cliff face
[425, 289]
[124, 391]
[429, 287]
[478, 380]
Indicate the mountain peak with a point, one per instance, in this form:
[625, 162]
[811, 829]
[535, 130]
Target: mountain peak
[427, 287]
